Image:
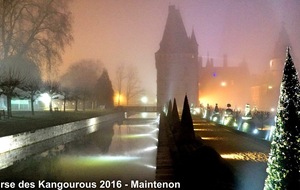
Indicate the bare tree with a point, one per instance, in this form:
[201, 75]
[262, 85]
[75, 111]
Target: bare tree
[133, 87]
[32, 84]
[66, 92]
[16, 73]
[34, 29]
[11, 78]
[52, 88]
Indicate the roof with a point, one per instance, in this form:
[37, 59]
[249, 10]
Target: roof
[175, 38]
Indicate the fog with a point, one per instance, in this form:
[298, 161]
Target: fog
[129, 32]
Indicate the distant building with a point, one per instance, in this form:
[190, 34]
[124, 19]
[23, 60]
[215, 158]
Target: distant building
[224, 84]
[177, 63]
[265, 90]
[181, 72]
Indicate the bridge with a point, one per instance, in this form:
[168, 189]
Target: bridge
[139, 108]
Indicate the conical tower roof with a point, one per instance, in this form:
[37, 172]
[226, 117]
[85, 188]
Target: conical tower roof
[175, 38]
[282, 42]
[193, 42]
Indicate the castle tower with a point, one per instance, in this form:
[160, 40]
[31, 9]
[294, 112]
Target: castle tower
[274, 75]
[278, 58]
[177, 63]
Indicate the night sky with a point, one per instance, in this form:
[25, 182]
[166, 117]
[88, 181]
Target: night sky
[129, 32]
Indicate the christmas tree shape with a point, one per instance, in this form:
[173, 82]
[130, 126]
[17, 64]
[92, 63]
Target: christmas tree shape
[284, 159]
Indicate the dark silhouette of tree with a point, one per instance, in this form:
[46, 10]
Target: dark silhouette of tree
[104, 90]
[81, 78]
[66, 92]
[284, 164]
[169, 112]
[175, 117]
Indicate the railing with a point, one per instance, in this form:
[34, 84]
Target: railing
[140, 108]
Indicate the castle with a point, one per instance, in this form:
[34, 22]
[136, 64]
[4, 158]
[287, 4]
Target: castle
[177, 63]
[180, 72]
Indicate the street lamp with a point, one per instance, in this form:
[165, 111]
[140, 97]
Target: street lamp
[223, 84]
[144, 100]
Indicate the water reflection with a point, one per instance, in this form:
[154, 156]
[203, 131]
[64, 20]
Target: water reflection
[124, 151]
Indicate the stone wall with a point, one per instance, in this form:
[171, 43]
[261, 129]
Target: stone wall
[11, 142]
[19, 146]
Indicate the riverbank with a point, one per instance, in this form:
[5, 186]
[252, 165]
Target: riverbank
[11, 145]
[23, 121]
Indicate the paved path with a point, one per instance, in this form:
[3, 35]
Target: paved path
[247, 155]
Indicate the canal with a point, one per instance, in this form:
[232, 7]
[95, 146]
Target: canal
[109, 155]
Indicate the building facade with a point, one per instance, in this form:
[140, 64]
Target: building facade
[177, 63]
[265, 90]
[224, 84]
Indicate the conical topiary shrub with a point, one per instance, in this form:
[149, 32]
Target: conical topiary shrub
[169, 112]
[175, 118]
[186, 132]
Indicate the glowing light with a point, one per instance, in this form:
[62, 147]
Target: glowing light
[150, 166]
[114, 158]
[246, 156]
[270, 87]
[204, 130]
[205, 100]
[92, 128]
[7, 143]
[150, 148]
[246, 117]
[136, 136]
[255, 131]
[144, 115]
[212, 138]
[226, 120]
[214, 119]
[92, 121]
[96, 160]
[223, 84]
[195, 124]
[272, 109]
[144, 100]
[45, 98]
[154, 130]
[119, 99]
[195, 111]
